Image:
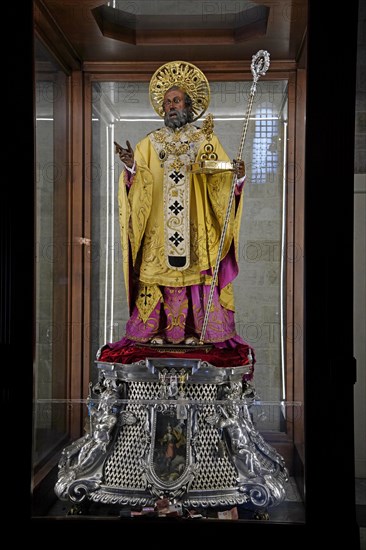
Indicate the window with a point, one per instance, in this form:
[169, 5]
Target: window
[265, 145]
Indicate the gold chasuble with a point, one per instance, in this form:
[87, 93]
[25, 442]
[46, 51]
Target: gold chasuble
[171, 220]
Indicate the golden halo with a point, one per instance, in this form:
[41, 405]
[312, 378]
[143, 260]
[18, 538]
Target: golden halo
[185, 75]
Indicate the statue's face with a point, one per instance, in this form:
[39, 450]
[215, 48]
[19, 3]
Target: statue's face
[173, 101]
[176, 113]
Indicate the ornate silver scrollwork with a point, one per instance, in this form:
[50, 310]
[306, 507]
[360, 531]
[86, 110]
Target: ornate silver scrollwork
[80, 465]
[182, 431]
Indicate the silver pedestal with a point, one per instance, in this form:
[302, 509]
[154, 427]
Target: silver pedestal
[176, 429]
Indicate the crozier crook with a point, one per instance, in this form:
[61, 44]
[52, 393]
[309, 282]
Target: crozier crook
[259, 67]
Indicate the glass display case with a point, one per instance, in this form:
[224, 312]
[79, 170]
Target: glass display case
[95, 468]
[292, 305]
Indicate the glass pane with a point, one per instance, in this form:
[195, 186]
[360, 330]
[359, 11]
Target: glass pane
[51, 249]
[121, 111]
[259, 285]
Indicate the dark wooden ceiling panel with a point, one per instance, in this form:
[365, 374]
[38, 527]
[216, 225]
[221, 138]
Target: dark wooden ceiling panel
[193, 29]
[165, 30]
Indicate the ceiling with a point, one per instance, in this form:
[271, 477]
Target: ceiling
[194, 30]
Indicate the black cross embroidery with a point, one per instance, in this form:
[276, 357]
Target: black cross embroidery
[176, 207]
[145, 295]
[176, 239]
[176, 176]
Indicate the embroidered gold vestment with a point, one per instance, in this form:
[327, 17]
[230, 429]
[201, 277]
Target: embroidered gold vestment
[171, 220]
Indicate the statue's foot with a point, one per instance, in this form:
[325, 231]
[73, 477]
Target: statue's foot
[158, 340]
[191, 341]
